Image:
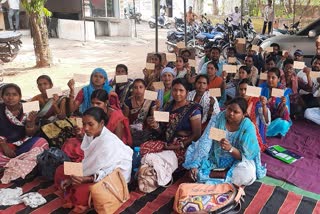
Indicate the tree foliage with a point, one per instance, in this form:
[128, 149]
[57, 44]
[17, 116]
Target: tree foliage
[36, 6]
[285, 8]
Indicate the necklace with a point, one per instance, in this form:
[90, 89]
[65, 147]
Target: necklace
[137, 104]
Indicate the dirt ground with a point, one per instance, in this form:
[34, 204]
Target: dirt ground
[82, 57]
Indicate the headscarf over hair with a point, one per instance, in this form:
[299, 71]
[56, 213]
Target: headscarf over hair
[114, 101]
[87, 90]
[168, 70]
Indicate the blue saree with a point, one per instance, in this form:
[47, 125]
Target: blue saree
[206, 154]
[280, 114]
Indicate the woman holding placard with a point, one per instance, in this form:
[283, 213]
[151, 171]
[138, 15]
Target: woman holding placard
[290, 80]
[164, 94]
[153, 74]
[103, 153]
[180, 69]
[98, 80]
[137, 108]
[184, 70]
[232, 87]
[16, 126]
[278, 102]
[216, 81]
[233, 155]
[184, 124]
[117, 123]
[201, 95]
[51, 108]
[122, 89]
[257, 111]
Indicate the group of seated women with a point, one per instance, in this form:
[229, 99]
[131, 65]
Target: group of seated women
[117, 117]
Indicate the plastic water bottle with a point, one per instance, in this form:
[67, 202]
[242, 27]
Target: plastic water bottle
[136, 160]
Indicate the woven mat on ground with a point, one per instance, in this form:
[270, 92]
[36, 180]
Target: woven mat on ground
[260, 198]
[303, 139]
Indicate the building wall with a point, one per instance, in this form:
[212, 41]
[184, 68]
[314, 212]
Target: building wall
[73, 6]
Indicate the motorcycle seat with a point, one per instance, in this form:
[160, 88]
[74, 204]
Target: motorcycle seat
[9, 36]
[209, 35]
[179, 33]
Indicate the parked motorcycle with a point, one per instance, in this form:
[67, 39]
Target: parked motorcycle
[248, 30]
[292, 29]
[178, 24]
[131, 14]
[10, 44]
[173, 37]
[163, 22]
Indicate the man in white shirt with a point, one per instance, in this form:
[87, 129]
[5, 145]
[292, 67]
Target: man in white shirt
[14, 10]
[268, 15]
[311, 95]
[162, 15]
[235, 18]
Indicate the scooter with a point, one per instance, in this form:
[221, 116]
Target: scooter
[163, 22]
[131, 14]
[10, 44]
[178, 24]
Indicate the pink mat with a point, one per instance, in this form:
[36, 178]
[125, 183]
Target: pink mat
[303, 139]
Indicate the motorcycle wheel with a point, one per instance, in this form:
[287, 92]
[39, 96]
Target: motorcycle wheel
[224, 51]
[170, 48]
[199, 53]
[10, 57]
[152, 25]
[250, 36]
[193, 44]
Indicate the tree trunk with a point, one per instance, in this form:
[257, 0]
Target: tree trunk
[284, 7]
[40, 40]
[290, 6]
[215, 7]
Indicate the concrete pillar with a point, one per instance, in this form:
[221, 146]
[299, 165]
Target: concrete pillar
[75, 30]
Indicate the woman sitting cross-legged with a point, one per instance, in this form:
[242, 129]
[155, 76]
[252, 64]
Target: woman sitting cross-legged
[184, 123]
[103, 153]
[257, 111]
[238, 154]
[117, 123]
[16, 127]
[279, 106]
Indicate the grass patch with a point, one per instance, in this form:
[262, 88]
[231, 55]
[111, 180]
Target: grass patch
[257, 22]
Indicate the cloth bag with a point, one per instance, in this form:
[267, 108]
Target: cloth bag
[49, 160]
[147, 179]
[156, 170]
[204, 198]
[110, 193]
[59, 131]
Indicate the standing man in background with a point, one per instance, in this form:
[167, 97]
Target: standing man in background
[268, 16]
[235, 18]
[14, 10]
[191, 16]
